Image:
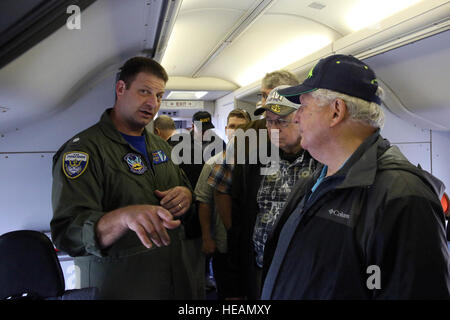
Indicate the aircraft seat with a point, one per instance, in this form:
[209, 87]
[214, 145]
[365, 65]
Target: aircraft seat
[30, 269]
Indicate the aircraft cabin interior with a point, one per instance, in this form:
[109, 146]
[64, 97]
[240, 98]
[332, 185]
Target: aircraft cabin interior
[59, 62]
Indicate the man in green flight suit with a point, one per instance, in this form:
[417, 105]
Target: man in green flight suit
[116, 198]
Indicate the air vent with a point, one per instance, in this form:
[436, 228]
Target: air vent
[316, 5]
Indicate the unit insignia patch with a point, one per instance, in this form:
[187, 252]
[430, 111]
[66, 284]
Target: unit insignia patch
[75, 163]
[135, 163]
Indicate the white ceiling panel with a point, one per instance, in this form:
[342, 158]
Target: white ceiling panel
[343, 16]
[240, 5]
[200, 26]
[272, 42]
[193, 37]
[270, 35]
[55, 72]
[331, 15]
[304, 26]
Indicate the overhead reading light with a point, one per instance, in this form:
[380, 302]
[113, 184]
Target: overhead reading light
[369, 12]
[186, 95]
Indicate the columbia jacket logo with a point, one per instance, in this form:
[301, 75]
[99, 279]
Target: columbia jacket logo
[339, 214]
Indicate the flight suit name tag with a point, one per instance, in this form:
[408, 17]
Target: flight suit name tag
[159, 157]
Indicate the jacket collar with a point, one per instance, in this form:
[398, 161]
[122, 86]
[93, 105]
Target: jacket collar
[360, 169]
[109, 129]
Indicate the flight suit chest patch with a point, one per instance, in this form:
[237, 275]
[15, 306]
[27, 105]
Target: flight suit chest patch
[135, 163]
[159, 157]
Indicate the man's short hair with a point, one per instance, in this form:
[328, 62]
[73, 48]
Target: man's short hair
[278, 78]
[133, 66]
[358, 109]
[164, 122]
[239, 113]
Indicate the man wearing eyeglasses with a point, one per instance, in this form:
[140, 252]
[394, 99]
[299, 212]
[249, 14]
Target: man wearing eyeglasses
[367, 224]
[280, 117]
[221, 175]
[258, 199]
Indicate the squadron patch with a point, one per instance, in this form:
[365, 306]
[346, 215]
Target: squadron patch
[74, 163]
[135, 163]
[159, 157]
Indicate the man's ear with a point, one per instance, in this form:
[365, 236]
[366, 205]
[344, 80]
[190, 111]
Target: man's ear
[157, 131]
[120, 87]
[339, 110]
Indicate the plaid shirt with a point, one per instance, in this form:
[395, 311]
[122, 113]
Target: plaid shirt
[272, 195]
[220, 177]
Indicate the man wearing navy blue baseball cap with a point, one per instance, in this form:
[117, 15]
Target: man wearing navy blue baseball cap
[368, 224]
[341, 73]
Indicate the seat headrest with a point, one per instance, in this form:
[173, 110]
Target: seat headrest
[29, 264]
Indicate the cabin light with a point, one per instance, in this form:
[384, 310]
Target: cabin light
[284, 55]
[186, 95]
[368, 12]
[200, 94]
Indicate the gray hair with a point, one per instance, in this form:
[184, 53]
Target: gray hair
[164, 122]
[358, 109]
[278, 78]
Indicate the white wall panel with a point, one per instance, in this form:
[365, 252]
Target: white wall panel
[50, 133]
[429, 148]
[25, 169]
[417, 153]
[25, 191]
[224, 106]
[441, 156]
[397, 130]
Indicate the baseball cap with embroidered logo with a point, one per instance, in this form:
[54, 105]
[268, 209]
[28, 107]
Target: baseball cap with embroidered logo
[205, 118]
[341, 73]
